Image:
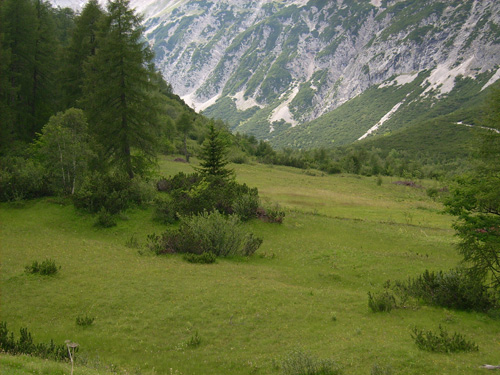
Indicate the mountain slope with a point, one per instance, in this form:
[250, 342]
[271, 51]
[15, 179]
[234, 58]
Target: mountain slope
[282, 70]
[266, 66]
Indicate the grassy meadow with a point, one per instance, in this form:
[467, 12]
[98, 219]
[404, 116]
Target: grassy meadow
[305, 288]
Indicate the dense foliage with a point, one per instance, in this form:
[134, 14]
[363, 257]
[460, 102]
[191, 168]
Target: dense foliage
[26, 345]
[83, 109]
[475, 201]
[206, 233]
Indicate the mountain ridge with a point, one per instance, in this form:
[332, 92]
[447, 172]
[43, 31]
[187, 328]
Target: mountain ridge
[269, 67]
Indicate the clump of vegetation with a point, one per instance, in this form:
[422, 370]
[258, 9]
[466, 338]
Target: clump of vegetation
[84, 320]
[194, 341]
[442, 342]
[22, 179]
[381, 370]
[112, 192]
[105, 219]
[46, 268]
[204, 258]
[25, 345]
[191, 194]
[208, 232]
[381, 302]
[300, 363]
[271, 214]
[132, 242]
[455, 289]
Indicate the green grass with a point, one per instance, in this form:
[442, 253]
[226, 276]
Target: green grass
[305, 288]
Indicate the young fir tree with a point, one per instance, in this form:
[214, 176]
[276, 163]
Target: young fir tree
[214, 154]
[120, 99]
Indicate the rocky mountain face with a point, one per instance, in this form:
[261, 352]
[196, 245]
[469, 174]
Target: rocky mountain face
[268, 67]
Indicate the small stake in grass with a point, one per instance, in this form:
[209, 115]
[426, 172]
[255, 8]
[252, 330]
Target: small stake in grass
[71, 347]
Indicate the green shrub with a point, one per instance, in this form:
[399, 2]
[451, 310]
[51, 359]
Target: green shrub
[246, 205]
[84, 321]
[46, 268]
[165, 210]
[113, 192]
[194, 341]
[442, 342]
[22, 179]
[193, 194]
[132, 242]
[25, 345]
[381, 302]
[271, 214]
[301, 363]
[455, 289]
[204, 258]
[207, 232]
[105, 219]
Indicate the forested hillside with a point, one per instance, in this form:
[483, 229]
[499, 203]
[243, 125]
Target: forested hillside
[79, 95]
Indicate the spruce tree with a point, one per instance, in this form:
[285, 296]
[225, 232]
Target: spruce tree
[44, 94]
[119, 96]
[214, 154]
[82, 45]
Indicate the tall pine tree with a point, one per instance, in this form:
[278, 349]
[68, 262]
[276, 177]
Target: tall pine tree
[18, 25]
[119, 96]
[82, 46]
[44, 94]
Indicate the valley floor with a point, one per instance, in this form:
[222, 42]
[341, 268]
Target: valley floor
[305, 288]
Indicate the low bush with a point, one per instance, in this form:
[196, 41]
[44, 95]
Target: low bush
[193, 194]
[246, 205]
[381, 302]
[46, 268]
[105, 219]
[455, 289]
[22, 179]
[207, 232]
[301, 363]
[271, 214]
[194, 341]
[25, 345]
[112, 192]
[84, 321]
[204, 258]
[165, 210]
[442, 342]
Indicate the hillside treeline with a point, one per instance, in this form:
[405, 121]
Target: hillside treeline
[80, 96]
[359, 159]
